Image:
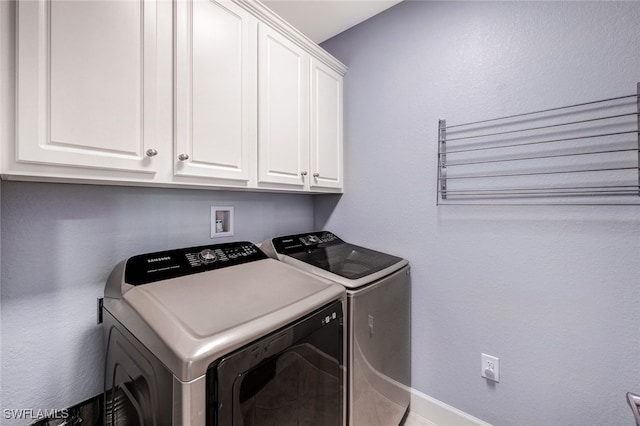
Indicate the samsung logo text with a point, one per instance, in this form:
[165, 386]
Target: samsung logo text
[158, 259]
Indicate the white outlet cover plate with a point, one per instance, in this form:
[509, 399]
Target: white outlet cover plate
[488, 361]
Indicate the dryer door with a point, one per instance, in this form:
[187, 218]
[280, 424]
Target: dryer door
[138, 389]
[292, 377]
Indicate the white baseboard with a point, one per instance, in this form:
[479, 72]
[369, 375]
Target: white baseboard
[439, 413]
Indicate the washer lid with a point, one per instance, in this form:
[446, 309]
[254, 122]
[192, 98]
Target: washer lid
[326, 255]
[191, 320]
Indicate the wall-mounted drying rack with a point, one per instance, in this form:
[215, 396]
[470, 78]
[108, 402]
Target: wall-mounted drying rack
[586, 153]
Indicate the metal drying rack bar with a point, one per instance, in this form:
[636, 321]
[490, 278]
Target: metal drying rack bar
[586, 153]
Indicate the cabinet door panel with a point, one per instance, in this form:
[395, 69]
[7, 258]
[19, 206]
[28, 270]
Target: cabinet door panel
[326, 127]
[215, 91]
[87, 87]
[283, 114]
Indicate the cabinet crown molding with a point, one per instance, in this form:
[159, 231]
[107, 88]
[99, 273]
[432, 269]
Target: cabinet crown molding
[266, 15]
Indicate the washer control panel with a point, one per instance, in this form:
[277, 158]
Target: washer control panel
[163, 265]
[304, 242]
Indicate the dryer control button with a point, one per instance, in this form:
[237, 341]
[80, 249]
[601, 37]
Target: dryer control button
[207, 256]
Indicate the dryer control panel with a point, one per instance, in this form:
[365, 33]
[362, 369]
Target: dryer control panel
[151, 267]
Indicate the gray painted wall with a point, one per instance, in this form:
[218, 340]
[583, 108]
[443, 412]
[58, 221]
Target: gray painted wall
[59, 244]
[554, 292]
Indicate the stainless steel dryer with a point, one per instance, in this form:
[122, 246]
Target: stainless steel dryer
[378, 316]
[222, 335]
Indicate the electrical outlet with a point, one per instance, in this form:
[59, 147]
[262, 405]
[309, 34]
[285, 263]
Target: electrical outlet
[490, 367]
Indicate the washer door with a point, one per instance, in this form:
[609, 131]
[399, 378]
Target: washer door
[346, 260]
[293, 377]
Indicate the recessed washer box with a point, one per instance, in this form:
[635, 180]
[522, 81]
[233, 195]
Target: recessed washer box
[221, 221]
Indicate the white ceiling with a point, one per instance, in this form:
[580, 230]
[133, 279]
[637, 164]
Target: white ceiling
[322, 19]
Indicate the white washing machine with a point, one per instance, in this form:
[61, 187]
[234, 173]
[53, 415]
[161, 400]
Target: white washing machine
[222, 335]
[378, 316]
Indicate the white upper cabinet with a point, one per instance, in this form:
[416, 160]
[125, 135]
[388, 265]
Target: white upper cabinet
[192, 93]
[283, 110]
[326, 127]
[215, 90]
[299, 117]
[88, 85]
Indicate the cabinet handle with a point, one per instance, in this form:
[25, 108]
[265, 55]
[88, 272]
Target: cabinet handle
[151, 152]
[183, 157]
[303, 173]
[316, 175]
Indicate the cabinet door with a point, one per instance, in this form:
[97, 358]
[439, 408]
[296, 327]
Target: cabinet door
[283, 110]
[215, 90]
[326, 127]
[87, 90]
